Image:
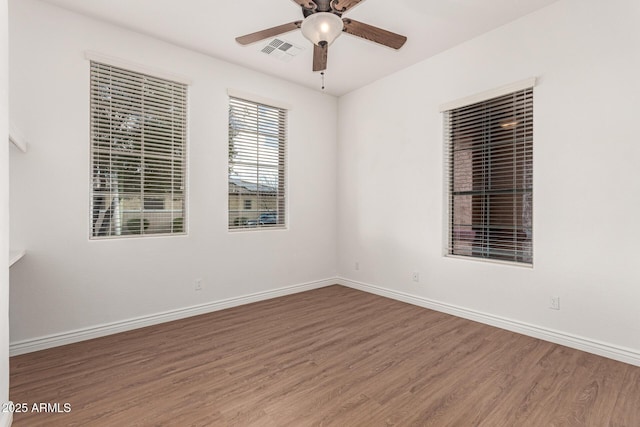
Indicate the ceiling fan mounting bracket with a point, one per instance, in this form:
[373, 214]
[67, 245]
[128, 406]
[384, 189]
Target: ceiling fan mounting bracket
[307, 5]
[319, 6]
[336, 8]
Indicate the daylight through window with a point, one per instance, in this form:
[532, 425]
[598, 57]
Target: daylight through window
[138, 153]
[257, 139]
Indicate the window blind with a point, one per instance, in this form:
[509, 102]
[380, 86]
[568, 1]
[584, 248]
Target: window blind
[489, 154]
[257, 142]
[138, 153]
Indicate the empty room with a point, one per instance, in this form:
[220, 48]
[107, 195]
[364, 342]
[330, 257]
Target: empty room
[319, 212]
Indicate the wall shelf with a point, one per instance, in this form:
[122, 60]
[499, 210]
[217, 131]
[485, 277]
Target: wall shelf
[17, 139]
[15, 256]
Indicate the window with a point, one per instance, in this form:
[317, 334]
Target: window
[138, 153]
[257, 139]
[153, 203]
[490, 158]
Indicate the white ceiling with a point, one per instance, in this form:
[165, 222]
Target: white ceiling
[210, 27]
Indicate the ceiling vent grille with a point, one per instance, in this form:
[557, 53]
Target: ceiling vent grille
[281, 49]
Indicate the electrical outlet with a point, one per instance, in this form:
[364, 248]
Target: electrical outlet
[357, 265]
[415, 276]
[555, 303]
[198, 285]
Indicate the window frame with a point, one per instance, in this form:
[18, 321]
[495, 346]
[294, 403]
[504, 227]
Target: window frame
[521, 253]
[166, 153]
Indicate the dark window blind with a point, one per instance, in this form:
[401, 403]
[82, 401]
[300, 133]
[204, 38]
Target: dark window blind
[489, 150]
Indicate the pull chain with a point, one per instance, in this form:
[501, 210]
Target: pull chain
[322, 74]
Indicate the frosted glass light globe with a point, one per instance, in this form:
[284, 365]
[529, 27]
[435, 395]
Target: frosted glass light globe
[322, 27]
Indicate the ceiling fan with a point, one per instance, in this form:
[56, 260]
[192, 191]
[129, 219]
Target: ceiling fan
[322, 24]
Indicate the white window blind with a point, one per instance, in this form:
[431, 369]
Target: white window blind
[138, 153]
[257, 143]
[489, 152]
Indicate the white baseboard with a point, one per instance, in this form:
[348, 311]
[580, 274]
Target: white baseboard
[581, 343]
[6, 419]
[42, 343]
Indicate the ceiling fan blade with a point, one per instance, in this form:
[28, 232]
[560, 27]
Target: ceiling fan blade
[320, 57]
[341, 6]
[269, 32]
[306, 4]
[374, 34]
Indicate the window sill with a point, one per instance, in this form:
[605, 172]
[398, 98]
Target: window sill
[255, 229]
[490, 261]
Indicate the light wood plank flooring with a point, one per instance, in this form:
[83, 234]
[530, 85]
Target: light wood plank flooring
[332, 356]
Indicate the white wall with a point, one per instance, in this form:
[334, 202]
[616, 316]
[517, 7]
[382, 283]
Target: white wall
[66, 282]
[4, 211]
[586, 175]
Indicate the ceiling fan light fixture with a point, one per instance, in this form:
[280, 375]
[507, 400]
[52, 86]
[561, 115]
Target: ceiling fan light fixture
[322, 28]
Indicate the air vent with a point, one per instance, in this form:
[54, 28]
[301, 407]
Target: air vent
[281, 49]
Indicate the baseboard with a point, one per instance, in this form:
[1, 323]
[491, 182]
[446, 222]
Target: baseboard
[581, 343]
[42, 343]
[6, 419]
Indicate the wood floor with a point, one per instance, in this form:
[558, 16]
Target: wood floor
[332, 356]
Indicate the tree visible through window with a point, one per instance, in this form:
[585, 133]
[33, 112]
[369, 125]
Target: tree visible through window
[490, 156]
[257, 137]
[138, 153]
